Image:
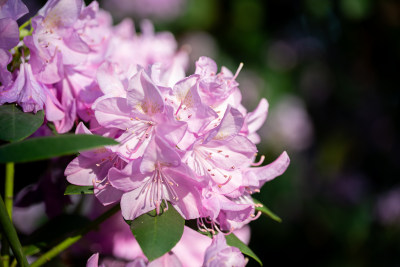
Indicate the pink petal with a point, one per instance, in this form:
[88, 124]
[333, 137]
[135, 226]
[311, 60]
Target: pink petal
[143, 94]
[13, 9]
[113, 112]
[9, 33]
[230, 125]
[169, 259]
[108, 81]
[93, 261]
[192, 255]
[127, 179]
[108, 195]
[259, 175]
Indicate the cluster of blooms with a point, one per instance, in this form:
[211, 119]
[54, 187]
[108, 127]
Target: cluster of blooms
[184, 141]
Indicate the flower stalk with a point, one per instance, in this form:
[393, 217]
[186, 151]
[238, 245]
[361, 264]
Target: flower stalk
[9, 193]
[11, 235]
[9, 188]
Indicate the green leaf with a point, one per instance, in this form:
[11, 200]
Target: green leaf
[78, 190]
[52, 146]
[158, 234]
[261, 207]
[233, 241]
[16, 125]
[31, 250]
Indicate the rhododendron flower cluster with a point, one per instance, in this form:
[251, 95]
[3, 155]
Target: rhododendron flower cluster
[184, 140]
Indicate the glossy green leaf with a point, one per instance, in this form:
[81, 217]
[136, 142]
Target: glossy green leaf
[16, 125]
[158, 234]
[261, 207]
[52, 146]
[78, 190]
[233, 241]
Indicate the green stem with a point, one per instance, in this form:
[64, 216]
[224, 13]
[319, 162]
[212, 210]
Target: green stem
[73, 239]
[9, 192]
[5, 252]
[23, 26]
[11, 234]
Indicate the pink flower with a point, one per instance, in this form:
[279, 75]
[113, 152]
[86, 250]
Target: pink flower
[139, 116]
[92, 168]
[67, 46]
[215, 88]
[157, 9]
[222, 153]
[127, 49]
[254, 120]
[157, 177]
[220, 254]
[25, 90]
[255, 177]
[188, 107]
[10, 11]
[223, 214]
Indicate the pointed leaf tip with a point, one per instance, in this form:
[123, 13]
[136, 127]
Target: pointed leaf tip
[261, 207]
[158, 234]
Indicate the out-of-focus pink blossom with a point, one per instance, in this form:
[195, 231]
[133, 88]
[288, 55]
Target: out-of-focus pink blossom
[290, 124]
[155, 9]
[220, 254]
[388, 208]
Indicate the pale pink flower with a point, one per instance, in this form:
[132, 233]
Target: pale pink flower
[255, 177]
[222, 214]
[215, 88]
[222, 153]
[25, 90]
[254, 121]
[220, 254]
[158, 177]
[140, 116]
[92, 167]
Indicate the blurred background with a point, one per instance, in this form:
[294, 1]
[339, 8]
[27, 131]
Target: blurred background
[330, 71]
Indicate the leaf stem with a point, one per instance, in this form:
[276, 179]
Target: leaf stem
[11, 234]
[74, 238]
[9, 190]
[9, 193]
[23, 26]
